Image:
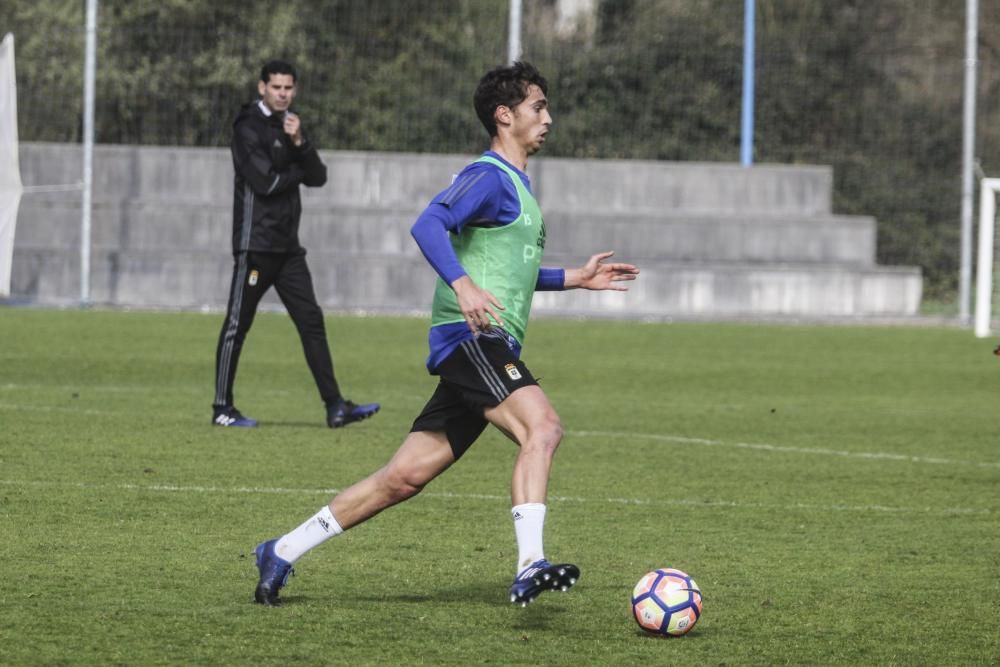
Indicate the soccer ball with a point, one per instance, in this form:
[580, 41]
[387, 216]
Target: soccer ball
[666, 602]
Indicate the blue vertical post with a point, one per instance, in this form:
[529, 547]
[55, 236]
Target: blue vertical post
[746, 121]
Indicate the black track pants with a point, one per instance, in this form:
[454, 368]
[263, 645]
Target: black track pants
[253, 274]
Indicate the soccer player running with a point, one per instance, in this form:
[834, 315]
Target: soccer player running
[484, 236]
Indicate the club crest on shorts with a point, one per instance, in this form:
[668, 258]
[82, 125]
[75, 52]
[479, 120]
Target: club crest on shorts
[512, 371]
[252, 280]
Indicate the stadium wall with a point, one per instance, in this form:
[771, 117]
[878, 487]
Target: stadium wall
[713, 240]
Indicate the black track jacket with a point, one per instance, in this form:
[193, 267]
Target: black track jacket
[269, 169]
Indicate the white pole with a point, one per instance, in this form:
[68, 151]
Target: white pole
[984, 261]
[746, 115]
[968, 147]
[89, 79]
[514, 32]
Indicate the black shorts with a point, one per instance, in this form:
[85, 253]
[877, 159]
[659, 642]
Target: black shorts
[479, 374]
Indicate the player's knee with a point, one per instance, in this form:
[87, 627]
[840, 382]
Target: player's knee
[548, 432]
[312, 320]
[399, 485]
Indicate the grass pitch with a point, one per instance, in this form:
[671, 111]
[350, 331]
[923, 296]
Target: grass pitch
[834, 491]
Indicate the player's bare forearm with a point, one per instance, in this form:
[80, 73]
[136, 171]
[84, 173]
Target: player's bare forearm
[597, 274]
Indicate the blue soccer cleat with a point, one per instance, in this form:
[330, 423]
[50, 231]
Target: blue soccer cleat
[231, 417]
[274, 572]
[542, 576]
[345, 412]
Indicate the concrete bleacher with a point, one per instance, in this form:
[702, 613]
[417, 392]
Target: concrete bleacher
[712, 240]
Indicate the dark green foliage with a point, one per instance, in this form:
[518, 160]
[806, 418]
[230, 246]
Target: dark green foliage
[872, 88]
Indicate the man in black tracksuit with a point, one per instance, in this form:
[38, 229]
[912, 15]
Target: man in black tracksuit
[272, 156]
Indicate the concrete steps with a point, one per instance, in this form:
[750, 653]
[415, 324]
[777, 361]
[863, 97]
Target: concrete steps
[731, 290]
[666, 290]
[713, 240]
[671, 236]
[715, 237]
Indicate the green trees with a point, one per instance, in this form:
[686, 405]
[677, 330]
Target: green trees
[872, 88]
[875, 90]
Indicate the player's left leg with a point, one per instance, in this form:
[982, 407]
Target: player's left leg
[295, 288]
[423, 456]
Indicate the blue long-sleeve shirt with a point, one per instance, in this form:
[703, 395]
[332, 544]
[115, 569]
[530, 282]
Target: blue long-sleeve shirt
[481, 195]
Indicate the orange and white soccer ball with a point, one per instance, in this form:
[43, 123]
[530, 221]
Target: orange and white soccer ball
[666, 602]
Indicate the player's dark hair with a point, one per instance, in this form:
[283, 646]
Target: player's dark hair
[507, 86]
[276, 67]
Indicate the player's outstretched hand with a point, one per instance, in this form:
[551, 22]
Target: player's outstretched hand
[598, 275]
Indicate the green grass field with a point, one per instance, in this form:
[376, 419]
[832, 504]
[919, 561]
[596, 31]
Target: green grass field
[835, 492]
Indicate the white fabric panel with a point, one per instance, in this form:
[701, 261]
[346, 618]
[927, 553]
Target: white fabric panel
[10, 169]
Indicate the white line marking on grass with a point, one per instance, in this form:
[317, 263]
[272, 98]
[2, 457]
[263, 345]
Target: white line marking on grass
[113, 388]
[658, 437]
[116, 388]
[821, 451]
[54, 408]
[90, 390]
[681, 502]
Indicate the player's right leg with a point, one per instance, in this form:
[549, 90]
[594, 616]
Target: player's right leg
[423, 456]
[541, 576]
[252, 275]
[528, 418]
[484, 373]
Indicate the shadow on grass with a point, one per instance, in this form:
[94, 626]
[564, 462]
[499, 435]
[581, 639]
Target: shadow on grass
[535, 616]
[483, 593]
[319, 423]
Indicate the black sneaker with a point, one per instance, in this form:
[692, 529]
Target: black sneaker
[345, 412]
[542, 576]
[232, 417]
[274, 572]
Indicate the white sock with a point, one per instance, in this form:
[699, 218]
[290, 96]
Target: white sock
[314, 532]
[529, 524]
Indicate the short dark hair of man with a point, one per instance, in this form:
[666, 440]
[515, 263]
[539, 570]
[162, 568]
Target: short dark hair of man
[507, 86]
[276, 67]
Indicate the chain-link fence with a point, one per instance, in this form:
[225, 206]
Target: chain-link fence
[872, 88]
